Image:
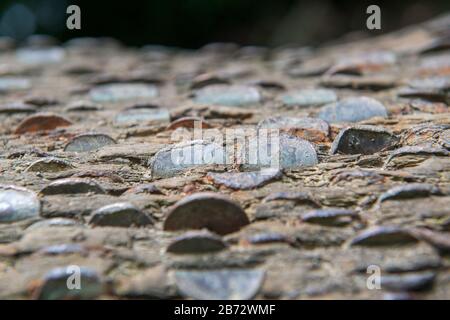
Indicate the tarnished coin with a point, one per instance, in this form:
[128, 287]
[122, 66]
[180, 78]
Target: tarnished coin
[59, 284]
[234, 284]
[330, 216]
[363, 140]
[49, 164]
[72, 186]
[41, 122]
[384, 236]
[412, 190]
[121, 214]
[196, 242]
[17, 203]
[211, 211]
[88, 142]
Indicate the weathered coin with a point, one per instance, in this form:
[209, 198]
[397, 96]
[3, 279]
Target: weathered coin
[121, 214]
[41, 122]
[412, 190]
[330, 216]
[211, 211]
[49, 164]
[72, 186]
[384, 236]
[363, 140]
[196, 242]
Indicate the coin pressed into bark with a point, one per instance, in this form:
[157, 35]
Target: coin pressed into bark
[363, 140]
[49, 164]
[42, 122]
[17, 203]
[121, 214]
[317, 174]
[211, 211]
[196, 242]
[286, 152]
[237, 284]
[72, 186]
[330, 216]
[88, 142]
[234, 95]
[353, 110]
[178, 158]
[384, 236]
[54, 284]
[412, 190]
[245, 180]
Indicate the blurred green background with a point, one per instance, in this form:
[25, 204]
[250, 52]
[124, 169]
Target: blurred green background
[192, 23]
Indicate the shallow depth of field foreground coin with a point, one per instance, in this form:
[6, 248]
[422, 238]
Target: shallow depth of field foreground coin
[211, 211]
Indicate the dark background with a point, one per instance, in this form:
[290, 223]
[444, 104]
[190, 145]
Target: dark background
[192, 23]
